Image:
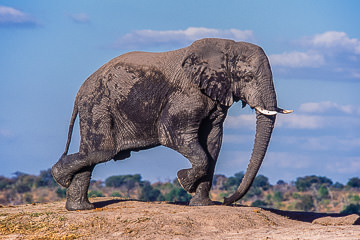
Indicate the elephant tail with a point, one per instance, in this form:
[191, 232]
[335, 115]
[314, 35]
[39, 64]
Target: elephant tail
[71, 127]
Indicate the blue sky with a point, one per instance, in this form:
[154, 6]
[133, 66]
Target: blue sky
[48, 48]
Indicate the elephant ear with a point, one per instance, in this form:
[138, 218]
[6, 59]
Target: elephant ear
[207, 68]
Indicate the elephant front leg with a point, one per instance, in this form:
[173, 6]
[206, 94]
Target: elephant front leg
[76, 193]
[211, 141]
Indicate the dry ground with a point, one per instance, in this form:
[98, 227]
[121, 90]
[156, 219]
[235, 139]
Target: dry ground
[115, 218]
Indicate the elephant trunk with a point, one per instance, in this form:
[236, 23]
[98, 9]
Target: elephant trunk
[264, 127]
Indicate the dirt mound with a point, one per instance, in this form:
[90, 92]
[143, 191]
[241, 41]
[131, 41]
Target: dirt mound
[115, 218]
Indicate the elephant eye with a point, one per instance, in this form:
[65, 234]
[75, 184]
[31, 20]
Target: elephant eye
[248, 78]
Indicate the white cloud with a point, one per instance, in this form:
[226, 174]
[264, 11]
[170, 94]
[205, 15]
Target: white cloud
[300, 121]
[286, 160]
[12, 16]
[6, 133]
[331, 52]
[338, 41]
[297, 59]
[244, 121]
[346, 165]
[79, 17]
[148, 38]
[323, 143]
[321, 107]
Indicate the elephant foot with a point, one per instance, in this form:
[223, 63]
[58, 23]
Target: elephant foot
[75, 205]
[76, 193]
[195, 201]
[60, 175]
[189, 179]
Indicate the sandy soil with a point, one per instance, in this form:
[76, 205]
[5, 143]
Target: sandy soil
[125, 219]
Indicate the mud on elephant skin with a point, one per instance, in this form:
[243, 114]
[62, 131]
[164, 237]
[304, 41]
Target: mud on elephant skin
[178, 99]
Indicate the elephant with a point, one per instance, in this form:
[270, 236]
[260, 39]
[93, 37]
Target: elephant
[178, 99]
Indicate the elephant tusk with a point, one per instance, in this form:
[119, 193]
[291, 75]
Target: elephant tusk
[265, 112]
[284, 111]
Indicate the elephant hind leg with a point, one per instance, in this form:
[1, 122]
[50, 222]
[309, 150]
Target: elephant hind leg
[76, 193]
[190, 178]
[63, 171]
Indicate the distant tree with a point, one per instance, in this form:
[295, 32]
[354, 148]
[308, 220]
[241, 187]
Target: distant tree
[5, 183]
[281, 182]
[337, 185]
[233, 182]
[354, 182]
[22, 188]
[253, 191]
[148, 193]
[24, 182]
[118, 181]
[45, 179]
[61, 192]
[219, 181]
[306, 203]
[28, 198]
[262, 182]
[304, 183]
[127, 181]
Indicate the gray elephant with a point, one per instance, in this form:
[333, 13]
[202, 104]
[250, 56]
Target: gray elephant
[178, 99]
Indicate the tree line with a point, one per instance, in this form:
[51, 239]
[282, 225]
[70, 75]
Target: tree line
[309, 193]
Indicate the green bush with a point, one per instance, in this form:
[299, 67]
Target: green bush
[278, 196]
[296, 195]
[115, 194]
[95, 193]
[259, 203]
[351, 209]
[177, 195]
[323, 192]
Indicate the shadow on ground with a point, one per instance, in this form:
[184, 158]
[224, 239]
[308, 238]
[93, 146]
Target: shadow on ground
[307, 216]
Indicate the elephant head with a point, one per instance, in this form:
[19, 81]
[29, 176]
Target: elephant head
[228, 71]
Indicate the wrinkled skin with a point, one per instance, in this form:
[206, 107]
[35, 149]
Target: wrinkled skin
[177, 99]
